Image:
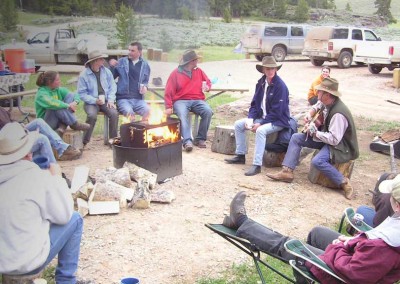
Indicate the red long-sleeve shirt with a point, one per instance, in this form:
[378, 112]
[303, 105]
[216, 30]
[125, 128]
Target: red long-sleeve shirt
[180, 86]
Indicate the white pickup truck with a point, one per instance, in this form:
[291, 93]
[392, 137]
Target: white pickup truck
[61, 46]
[378, 54]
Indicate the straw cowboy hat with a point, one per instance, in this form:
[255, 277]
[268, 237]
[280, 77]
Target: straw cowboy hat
[188, 55]
[268, 61]
[95, 54]
[15, 142]
[329, 85]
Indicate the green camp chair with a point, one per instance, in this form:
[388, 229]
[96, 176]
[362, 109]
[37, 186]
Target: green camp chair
[247, 247]
[298, 249]
[348, 216]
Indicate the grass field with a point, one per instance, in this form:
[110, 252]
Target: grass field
[368, 6]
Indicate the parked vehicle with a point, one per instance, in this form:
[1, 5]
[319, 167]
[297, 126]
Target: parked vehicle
[335, 44]
[277, 40]
[378, 54]
[61, 46]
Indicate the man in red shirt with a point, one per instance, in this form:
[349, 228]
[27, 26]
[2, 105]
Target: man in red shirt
[184, 93]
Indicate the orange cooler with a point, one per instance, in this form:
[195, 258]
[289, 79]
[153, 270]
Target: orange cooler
[15, 59]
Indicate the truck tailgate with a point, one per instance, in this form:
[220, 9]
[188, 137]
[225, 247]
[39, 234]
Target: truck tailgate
[379, 50]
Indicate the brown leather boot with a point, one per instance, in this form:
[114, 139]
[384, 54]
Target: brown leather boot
[61, 129]
[348, 189]
[286, 175]
[70, 154]
[80, 126]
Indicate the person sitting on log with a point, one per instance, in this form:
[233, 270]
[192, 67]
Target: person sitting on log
[337, 141]
[55, 104]
[312, 96]
[369, 257]
[268, 113]
[37, 221]
[47, 139]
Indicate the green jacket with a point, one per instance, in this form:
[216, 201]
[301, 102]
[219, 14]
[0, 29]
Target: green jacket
[47, 98]
[347, 149]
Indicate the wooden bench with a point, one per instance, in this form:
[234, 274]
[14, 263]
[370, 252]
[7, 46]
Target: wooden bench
[18, 96]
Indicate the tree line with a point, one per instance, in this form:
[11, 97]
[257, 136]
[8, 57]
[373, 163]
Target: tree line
[177, 9]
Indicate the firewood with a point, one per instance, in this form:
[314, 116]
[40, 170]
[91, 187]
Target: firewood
[141, 198]
[137, 173]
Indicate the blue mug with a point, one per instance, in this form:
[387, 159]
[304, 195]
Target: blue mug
[130, 280]
[42, 162]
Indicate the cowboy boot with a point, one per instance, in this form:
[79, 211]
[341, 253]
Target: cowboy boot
[237, 209]
[347, 188]
[238, 159]
[286, 175]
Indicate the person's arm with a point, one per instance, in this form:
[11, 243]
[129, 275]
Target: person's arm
[337, 128]
[47, 102]
[170, 90]
[112, 87]
[83, 89]
[208, 82]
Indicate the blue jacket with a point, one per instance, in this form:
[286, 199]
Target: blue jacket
[277, 102]
[121, 71]
[87, 85]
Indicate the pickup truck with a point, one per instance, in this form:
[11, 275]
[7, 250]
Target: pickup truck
[277, 40]
[337, 43]
[378, 54]
[62, 46]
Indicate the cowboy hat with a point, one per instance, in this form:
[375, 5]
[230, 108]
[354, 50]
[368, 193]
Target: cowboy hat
[95, 54]
[188, 55]
[269, 62]
[389, 185]
[15, 142]
[329, 85]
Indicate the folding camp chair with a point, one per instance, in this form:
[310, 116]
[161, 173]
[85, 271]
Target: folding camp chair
[247, 247]
[298, 249]
[348, 216]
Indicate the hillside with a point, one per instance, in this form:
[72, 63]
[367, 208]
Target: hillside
[368, 6]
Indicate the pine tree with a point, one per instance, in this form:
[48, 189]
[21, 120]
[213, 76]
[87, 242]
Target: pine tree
[384, 10]
[280, 10]
[301, 13]
[348, 7]
[8, 15]
[127, 25]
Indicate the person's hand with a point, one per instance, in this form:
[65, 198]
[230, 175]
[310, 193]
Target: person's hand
[341, 239]
[55, 169]
[312, 128]
[112, 62]
[307, 118]
[143, 90]
[73, 106]
[99, 102]
[168, 111]
[110, 105]
[255, 126]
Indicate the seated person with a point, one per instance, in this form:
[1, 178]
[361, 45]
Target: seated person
[370, 257]
[184, 92]
[56, 105]
[47, 139]
[312, 95]
[380, 200]
[268, 113]
[37, 221]
[337, 141]
[96, 87]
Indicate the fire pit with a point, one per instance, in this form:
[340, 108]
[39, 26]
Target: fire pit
[154, 147]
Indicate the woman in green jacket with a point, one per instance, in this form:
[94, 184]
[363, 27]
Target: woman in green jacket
[55, 104]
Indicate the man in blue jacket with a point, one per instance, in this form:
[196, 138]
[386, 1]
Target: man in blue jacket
[133, 74]
[268, 113]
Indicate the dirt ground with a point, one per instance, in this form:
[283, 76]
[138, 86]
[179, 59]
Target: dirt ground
[169, 243]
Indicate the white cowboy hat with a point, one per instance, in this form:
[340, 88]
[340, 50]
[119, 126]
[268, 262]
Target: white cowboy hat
[388, 185]
[15, 142]
[95, 54]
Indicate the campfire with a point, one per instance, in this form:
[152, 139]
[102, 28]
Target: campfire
[154, 145]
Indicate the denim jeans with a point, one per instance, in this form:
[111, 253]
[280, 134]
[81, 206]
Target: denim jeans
[368, 213]
[321, 161]
[42, 147]
[65, 241]
[56, 142]
[261, 139]
[65, 116]
[91, 111]
[182, 109]
[133, 106]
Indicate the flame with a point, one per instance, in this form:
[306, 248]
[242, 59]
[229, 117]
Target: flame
[157, 115]
[126, 119]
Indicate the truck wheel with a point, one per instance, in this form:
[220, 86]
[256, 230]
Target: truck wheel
[317, 62]
[374, 69]
[259, 57]
[279, 53]
[345, 59]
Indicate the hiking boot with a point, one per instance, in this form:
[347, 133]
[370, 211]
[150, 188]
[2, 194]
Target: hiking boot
[237, 210]
[286, 175]
[80, 126]
[253, 170]
[238, 159]
[200, 143]
[61, 129]
[188, 147]
[348, 189]
[70, 154]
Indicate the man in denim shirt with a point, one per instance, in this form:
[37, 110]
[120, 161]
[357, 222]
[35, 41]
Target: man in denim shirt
[133, 74]
[97, 88]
